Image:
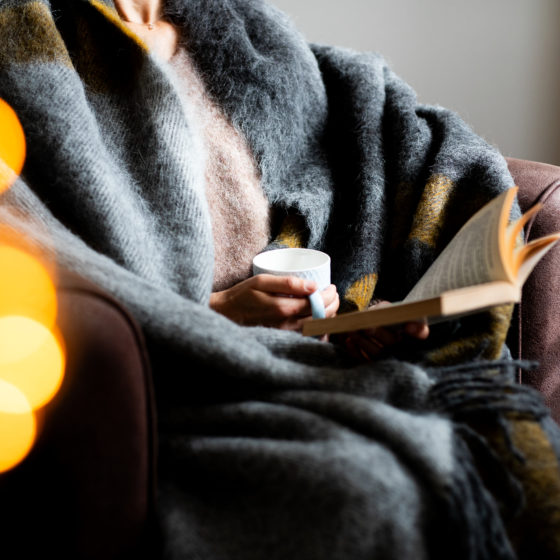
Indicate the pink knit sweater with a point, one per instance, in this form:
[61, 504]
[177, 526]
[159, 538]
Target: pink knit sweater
[239, 210]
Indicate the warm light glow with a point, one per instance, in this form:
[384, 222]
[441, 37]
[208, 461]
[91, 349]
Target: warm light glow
[26, 287]
[17, 426]
[12, 146]
[31, 358]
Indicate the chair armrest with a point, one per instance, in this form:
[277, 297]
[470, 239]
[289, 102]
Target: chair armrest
[86, 490]
[539, 310]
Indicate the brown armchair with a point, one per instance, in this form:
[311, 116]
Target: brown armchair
[535, 334]
[87, 489]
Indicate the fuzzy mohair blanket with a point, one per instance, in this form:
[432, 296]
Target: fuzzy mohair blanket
[273, 446]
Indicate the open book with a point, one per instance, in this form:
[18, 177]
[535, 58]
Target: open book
[484, 265]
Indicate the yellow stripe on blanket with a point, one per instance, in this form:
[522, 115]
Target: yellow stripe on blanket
[432, 210]
[359, 294]
[292, 232]
[29, 35]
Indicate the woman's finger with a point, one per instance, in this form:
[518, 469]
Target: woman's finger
[279, 307]
[385, 336]
[299, 305]
[333, 304]
[419, 330]
[329, 295]
[286, 285]
[371, 345]
[353, 350]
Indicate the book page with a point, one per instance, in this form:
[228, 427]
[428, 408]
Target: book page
[515, 238]
[532, 253]
[472, 257]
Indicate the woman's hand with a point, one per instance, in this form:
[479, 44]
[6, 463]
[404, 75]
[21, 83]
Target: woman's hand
[368, 344]
[272, 301]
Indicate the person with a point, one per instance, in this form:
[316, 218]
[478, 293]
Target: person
[168, 143]
[265, 300]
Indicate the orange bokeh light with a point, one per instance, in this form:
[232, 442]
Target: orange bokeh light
[26, 287]
[31, 358]
[18, 426]
[12, 146]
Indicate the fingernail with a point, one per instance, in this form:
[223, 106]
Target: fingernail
[309, 286]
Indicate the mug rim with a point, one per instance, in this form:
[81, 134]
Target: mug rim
[263, 255]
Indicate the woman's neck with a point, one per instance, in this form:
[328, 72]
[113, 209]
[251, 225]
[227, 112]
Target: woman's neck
[139, 11]
[145, 19]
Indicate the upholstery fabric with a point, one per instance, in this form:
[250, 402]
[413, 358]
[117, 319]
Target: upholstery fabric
[539, 327]
[87, 489]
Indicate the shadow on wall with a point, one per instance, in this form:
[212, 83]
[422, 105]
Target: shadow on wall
[550, 110]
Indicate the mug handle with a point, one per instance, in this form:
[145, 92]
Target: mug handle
[317, 305]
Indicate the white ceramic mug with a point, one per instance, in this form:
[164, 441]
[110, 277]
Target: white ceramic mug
[303, 263]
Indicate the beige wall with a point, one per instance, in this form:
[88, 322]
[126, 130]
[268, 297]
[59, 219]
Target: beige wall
[496, 62]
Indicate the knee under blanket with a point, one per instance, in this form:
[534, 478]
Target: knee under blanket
[273, 446]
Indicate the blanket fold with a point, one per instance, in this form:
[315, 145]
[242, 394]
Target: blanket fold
[272, 445]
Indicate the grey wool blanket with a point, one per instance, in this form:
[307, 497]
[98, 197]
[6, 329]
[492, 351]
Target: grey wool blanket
[273, 446]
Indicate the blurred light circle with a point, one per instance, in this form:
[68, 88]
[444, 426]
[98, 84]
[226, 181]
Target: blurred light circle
[12, 146]
[17, 426]
[26, 287]
[31, 358]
